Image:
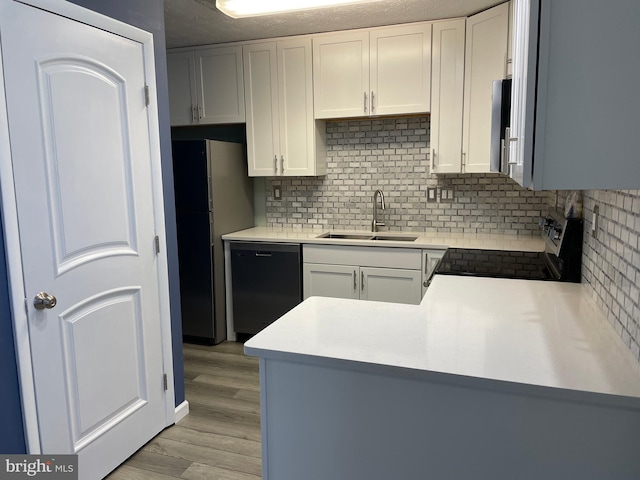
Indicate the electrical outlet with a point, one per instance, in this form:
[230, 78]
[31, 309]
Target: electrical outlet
[594, 220]
[277, 192]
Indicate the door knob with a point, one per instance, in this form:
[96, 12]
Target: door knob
[44, 300]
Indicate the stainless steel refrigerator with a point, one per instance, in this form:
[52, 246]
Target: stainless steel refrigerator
[214, 196]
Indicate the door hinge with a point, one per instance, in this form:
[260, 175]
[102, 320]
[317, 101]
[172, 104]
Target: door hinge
[165, 383]
[157, 241]
[147, 96]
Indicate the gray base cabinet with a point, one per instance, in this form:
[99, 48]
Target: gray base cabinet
[365, 273]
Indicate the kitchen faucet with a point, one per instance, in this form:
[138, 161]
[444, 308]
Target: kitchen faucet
[375, 223]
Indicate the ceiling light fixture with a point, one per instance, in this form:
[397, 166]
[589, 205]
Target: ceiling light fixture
[254, 8]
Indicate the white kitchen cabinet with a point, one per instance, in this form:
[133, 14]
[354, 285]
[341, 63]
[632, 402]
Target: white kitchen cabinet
[447, 90]
[326, 280]
[582, 94]
[430, 259]
[393, 285]
[365, 273]
[282, 135]
[181, 75]
[206, 86]
[382, 71]
[485, 61]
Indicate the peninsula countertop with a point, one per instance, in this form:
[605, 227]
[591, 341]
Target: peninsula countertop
[536, 333]
[525, 243]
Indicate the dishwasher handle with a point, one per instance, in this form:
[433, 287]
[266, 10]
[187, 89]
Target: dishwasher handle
[262, 253]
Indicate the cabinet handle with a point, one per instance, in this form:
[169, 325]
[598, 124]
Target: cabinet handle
[373, 101]
[433, 160]
[200, 112]
[508, 139]
[281, 164]
[355, 281]
[275, 163]
[365, 102]
[463, 162]
[362, 281]
[194, 114]
[426, 263]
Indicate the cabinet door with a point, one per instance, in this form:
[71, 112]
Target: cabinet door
[220, 85]
[261, 97]
[447, 88]
[341, 75]
[400, 73]
[295, 96]
[485, 61]
[337, 281]
[390, 285]
[181, 75]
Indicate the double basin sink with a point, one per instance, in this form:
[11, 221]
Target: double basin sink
[367, 236]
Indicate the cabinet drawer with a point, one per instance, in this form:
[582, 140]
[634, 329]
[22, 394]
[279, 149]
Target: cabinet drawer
[407, 258]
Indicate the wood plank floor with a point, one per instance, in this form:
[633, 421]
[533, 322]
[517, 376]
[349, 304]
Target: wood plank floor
[220, 438]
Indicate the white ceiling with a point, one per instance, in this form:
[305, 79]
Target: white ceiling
[198, 22]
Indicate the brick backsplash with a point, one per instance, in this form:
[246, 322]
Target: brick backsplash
[611, 260]
[392, 154]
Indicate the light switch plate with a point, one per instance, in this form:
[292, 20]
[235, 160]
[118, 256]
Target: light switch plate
[446, 194]
[432, 194]
[277, 192]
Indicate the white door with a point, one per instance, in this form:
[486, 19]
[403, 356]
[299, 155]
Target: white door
[336, 281]
[80, 148]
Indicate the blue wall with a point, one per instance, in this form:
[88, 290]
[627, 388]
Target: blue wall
[147, 15]
[11, 430]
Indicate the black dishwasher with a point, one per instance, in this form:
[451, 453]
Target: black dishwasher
[266, 283]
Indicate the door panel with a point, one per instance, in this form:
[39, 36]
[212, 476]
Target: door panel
[91, 229]
[391, 285]
[80, 144]
[336, 281]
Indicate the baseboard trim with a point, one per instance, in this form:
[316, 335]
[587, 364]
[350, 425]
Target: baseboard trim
[182, 411]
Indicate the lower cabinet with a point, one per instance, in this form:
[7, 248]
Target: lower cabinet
[430, 259]
[365, 273]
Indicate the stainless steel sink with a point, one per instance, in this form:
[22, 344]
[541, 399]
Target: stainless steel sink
[366, 236]
[347, 236]
[395, 238]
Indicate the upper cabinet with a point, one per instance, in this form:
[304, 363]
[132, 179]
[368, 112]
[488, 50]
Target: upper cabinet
[485, 61]
[282, 136]
[447, 90]
[385, 71]
[582, 94]
[467, 57]
[206, 86]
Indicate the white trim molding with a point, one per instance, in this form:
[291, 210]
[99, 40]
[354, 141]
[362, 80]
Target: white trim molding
[182, 411]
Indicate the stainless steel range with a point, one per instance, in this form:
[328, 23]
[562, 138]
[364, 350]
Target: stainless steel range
[561, 260]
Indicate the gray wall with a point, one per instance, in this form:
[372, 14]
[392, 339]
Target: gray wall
[149, 15]
[391, 154]
[611, 260]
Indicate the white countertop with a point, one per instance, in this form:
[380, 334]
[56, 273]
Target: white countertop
[537, 333]
[526, 243]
